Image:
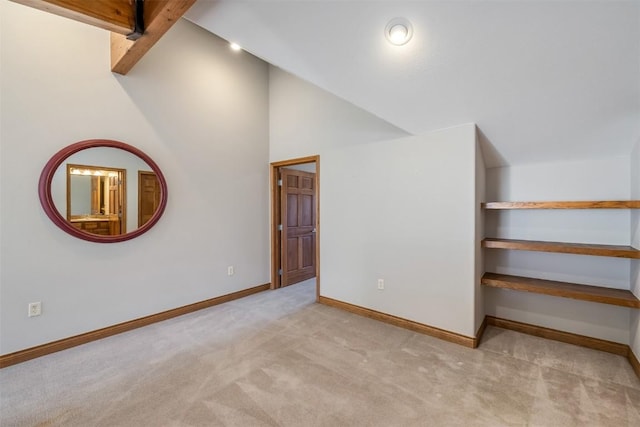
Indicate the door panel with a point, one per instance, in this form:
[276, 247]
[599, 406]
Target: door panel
[298, 209]
[292, 254]
[308, 252]
[292, 210]
[116, 226]
[148, 196]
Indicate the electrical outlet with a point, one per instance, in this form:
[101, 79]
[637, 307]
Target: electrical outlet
[230, 270]
[35, 309]
[381, 284]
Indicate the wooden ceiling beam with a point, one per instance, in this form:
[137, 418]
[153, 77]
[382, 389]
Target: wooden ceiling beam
[118, 17]
[113, 15]
[159, 17]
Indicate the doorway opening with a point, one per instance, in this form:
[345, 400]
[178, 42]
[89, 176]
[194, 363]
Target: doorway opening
[295, 222]
[148, 196]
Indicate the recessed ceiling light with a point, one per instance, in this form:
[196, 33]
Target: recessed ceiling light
[235, 46]
[398, 31]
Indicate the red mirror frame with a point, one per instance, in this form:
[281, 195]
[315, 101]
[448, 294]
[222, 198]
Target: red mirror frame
[44, 190]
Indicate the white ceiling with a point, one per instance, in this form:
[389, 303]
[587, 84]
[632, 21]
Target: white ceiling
[543, 80]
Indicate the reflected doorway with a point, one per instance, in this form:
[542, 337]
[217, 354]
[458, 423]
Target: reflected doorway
[149, 193]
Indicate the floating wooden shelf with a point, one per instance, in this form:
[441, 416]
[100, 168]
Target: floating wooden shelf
[599, 294]
[604, 204]
[564, 248]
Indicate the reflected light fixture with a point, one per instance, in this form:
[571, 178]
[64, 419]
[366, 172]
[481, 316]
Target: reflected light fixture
[398, 31]
[235, 46]
[91, 172]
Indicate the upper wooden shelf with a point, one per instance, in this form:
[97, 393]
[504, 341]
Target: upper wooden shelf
[599, 294]
[560, 247]
[602, 204]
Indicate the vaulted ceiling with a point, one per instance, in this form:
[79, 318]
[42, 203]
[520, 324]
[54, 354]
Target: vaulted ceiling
[544, 81]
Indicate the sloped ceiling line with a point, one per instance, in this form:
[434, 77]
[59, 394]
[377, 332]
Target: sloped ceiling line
[544, 81]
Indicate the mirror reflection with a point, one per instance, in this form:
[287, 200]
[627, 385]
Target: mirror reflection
[105, 191]
[96, 199]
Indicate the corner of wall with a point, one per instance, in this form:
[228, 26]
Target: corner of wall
[305, 119]
[604, 178]
[416, 217]
[635, 195]
[634, 326]
[481, 172]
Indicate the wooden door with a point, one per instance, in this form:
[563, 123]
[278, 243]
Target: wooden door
[298, 215]
[96, 199]
[148, 196]
[117, 226]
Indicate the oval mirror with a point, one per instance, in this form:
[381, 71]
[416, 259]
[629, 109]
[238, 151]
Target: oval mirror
[102, 191]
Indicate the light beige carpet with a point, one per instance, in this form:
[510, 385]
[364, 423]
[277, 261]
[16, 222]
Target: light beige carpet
[278, 359]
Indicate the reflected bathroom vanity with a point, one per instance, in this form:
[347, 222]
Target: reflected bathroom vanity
[105, 225]
[96, 199]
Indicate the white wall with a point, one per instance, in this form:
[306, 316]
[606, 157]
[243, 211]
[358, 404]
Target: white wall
[603, 179]
[390, 208]
[305, 120]
[197, 108]
[480, 181]
[403, 211]
[635, 242]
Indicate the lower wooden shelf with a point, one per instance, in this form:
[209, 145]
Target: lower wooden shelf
[599, 294]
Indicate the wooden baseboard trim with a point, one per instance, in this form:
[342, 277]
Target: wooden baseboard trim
[480, 333]
[566, 337]
[65, 343]
[400, 322]
[635, 364]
